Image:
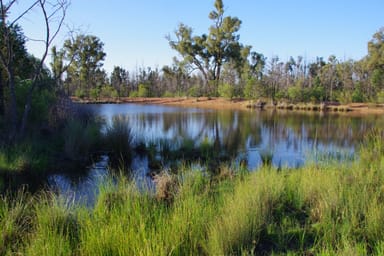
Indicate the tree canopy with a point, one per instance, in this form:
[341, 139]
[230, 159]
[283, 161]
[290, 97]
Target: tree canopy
[209, 52]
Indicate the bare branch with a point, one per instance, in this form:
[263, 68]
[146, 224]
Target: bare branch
[49, 37]
[6, 7]
[24, 13]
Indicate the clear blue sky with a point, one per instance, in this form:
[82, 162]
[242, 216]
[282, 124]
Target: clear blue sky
[134, 31]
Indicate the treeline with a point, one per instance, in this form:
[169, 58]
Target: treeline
[217, 64]
[211, 64]
[295, 80]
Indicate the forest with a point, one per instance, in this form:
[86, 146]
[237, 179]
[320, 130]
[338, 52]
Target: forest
[212, 64]
[201, 199]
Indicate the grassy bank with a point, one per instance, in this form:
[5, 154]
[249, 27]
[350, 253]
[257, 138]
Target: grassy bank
[324, 209]
[241, 104]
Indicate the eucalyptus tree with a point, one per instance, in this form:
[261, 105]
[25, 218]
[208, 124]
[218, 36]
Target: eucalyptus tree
[21, 62]
[375, 59]
[86, 55]
[120, 81]
[53, 14]
[329, 77]
[176, 78]
[209, 52]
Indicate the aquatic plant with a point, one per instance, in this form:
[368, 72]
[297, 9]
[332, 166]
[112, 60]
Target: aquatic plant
[119, 140]
[328, 209]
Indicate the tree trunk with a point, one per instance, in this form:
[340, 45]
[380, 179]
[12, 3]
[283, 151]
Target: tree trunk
[13, 105]
[2, 104]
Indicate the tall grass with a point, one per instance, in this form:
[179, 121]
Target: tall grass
[328, 209]
[81, 137]
[23, 157]
[119, 140]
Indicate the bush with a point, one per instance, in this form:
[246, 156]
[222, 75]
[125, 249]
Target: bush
[81, 136]
[143, 91]
[249, 89]
[109, 92]
[380, 97]
[168, 94]
[42, 100]
[357, 95]
[226, 91]
[119, 140]
[195, 91]
[134, 94]
[295, 94]
[94, 93]
[318, 94]
[80, 93]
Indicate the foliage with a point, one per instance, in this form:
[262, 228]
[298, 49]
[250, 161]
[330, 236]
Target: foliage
[94, 93]
[42, 99]
[82, 137]
[380, 97]
[195, 91]
[119, 140]
[80, 93]
[208, 53]
[226, 91]
[328, 208]
[143, 91]
[357, 95]
[81, 59]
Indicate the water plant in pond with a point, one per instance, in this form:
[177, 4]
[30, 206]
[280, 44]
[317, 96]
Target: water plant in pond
[119, 141]
[325, 209]
[81, 138]
[266, 157]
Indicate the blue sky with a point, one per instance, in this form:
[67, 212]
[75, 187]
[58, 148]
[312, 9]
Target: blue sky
[134, 31]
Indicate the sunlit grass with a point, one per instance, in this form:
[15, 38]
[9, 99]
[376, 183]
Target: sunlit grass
[327, 209]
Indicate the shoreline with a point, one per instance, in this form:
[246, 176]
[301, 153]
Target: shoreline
[241, 104]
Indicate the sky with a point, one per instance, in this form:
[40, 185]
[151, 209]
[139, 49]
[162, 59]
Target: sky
[134, 31]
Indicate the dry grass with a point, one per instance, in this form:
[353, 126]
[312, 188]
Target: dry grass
[221, 103]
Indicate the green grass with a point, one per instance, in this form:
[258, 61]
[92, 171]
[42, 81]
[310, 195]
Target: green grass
[327, 209]
[22, 157]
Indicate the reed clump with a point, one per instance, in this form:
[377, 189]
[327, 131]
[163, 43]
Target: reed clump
[328, 209]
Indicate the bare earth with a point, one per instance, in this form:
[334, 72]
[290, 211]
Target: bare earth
[221, 103]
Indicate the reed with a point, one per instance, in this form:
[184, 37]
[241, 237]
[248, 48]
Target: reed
[119, 141]
[319, 209]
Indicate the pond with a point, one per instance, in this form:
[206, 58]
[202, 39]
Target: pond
[287, 138]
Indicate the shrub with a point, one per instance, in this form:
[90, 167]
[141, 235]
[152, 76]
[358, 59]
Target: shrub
[226, 91]
[119, 140]
[168, 94]
[81, 137]
[249, 89]
[42, 100]
[80, 93]
[143, 91]
[195, 91]
[134, 94]
[380, 97]
[295, 94]
[109, 92]
[94, 93]
[357, 95]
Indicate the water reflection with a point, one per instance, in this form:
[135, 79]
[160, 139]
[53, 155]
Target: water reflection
[80, 189]
[290, 138]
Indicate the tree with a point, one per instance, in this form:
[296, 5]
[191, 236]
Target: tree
[119, 80]
[22, 67]
[85, 55]
[53, 14]
[208, 53]
[375, 59]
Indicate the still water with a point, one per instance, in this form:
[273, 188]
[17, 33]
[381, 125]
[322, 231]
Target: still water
[290, 138]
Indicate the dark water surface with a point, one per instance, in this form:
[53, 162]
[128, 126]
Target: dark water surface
[290, 138]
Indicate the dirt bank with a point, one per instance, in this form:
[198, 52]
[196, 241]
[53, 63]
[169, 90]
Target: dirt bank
[221, 103]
